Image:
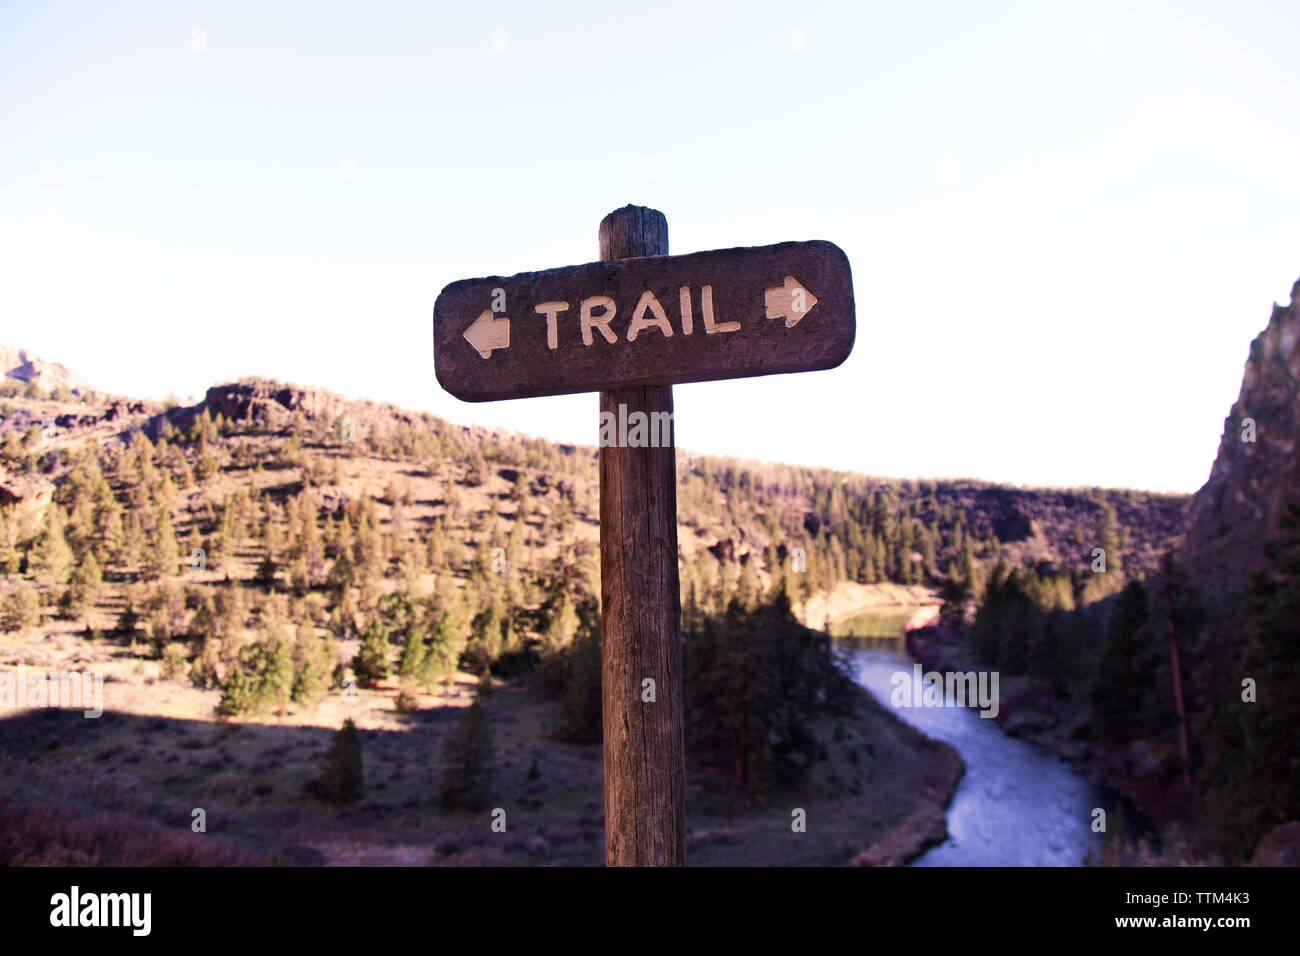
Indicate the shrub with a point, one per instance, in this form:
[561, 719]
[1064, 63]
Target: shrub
[173, 661]
[21, 608]
[49, 834]
[342, 779]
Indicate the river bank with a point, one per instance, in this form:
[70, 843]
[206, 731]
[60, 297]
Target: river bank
[849, 600]
[1018, 803]
[1143, 775]
[926, 825]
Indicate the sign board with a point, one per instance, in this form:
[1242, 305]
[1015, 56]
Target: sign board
[641, 318]
[650, 320]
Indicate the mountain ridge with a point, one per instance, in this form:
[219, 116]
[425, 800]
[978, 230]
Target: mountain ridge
[21, 365]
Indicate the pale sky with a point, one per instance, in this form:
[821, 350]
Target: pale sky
[1066, 222]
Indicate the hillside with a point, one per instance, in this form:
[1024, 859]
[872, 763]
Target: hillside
[252, 570]
[851, 527]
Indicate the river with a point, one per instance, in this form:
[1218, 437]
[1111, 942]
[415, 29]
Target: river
[1018, 804]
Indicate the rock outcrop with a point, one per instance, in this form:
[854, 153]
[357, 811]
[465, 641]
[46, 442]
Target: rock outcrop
[265, 406]
[268, 403]
[1257, 471]
[22, 365]
[28, 495]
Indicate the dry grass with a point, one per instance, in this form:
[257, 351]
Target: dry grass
[122, 788]
[45, 835]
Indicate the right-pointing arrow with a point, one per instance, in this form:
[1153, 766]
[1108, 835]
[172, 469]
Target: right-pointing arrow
[790, 302]
[488, 332]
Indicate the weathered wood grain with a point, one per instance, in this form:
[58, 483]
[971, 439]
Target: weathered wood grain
[722, 327]
[640, 611]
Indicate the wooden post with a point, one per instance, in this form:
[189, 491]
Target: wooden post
[640, 607]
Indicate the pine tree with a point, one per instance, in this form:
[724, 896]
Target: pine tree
[194, 542]
[128, 620]
[87, 578]
[748, 591]
[1259, 786]
[203, 672]
[236, 695]
[484, 645]
[371, 662]
[80, 531]
[163, 555]
[580, 717]
[562, 625]
[342, 779]
[134, 543]
[929, 563]
[52, 558]
[436, 557]
[466, 778]
[756, 684]
[411, 665]
[1107, 538]
[449, 639]
[970, 574]
[266, 571]
[278, 679]
[1116, 691]
[308, 684]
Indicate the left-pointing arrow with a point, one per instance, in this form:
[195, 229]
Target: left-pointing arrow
[488, 332]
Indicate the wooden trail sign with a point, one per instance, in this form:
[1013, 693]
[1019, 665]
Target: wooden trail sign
[651, 320]
[629, 327]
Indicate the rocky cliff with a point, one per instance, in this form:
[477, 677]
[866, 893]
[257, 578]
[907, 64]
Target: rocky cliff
[1248, 777]
[257, 404]
[1257, 470]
